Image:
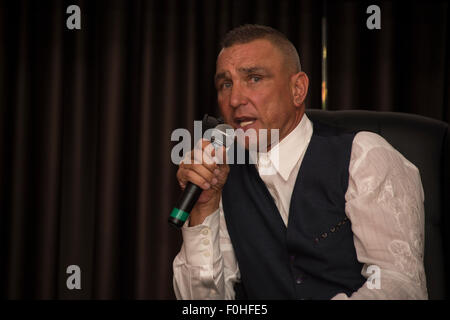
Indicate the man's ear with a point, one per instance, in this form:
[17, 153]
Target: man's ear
[299, 86]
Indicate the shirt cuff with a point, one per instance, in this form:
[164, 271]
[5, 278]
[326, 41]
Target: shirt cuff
[340, 296]
[201, 242]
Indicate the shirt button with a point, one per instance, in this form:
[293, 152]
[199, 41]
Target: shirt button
[299, 280]
[206, 254]
[204, 232]
[205, 242]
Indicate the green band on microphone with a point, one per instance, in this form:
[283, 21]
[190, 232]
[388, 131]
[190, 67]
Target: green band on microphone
[179, 214]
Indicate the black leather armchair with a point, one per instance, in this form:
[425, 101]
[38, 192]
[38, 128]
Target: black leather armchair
[424, 142]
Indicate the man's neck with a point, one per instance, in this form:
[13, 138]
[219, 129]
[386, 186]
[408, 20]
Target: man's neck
[298, 117]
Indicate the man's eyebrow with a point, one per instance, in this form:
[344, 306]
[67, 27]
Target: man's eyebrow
[219, 76]
[245, 70]
[250, 70]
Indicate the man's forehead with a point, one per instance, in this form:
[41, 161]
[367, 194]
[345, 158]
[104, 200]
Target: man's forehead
[256, 53]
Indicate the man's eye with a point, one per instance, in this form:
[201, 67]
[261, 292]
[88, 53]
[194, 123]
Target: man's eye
[255, 78]
[226, 85]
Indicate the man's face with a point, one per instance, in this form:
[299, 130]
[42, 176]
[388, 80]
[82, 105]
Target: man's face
[255, 89]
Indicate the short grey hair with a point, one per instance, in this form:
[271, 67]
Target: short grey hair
[250, 32]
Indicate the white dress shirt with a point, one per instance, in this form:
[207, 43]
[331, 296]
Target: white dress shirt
[384, 202]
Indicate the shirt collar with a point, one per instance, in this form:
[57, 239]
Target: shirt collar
[285, 155]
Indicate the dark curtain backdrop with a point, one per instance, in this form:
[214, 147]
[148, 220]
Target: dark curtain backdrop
[86, 118]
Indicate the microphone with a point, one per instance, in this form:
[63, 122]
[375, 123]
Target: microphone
[191, 193]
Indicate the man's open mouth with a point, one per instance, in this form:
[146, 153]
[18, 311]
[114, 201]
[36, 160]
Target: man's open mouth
[244, 121]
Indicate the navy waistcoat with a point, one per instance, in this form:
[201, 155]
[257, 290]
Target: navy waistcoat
[313, 257]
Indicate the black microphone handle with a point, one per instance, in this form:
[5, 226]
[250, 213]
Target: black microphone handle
[183, 208]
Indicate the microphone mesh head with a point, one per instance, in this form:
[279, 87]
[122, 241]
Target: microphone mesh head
[224, 127]
[220, 136]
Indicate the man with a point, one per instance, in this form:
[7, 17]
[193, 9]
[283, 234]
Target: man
[339, 209]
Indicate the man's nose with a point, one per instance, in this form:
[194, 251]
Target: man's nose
[238, 96]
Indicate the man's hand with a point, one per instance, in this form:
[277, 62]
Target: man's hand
[204, 172]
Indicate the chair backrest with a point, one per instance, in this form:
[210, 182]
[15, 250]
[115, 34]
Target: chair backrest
[424, 142]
